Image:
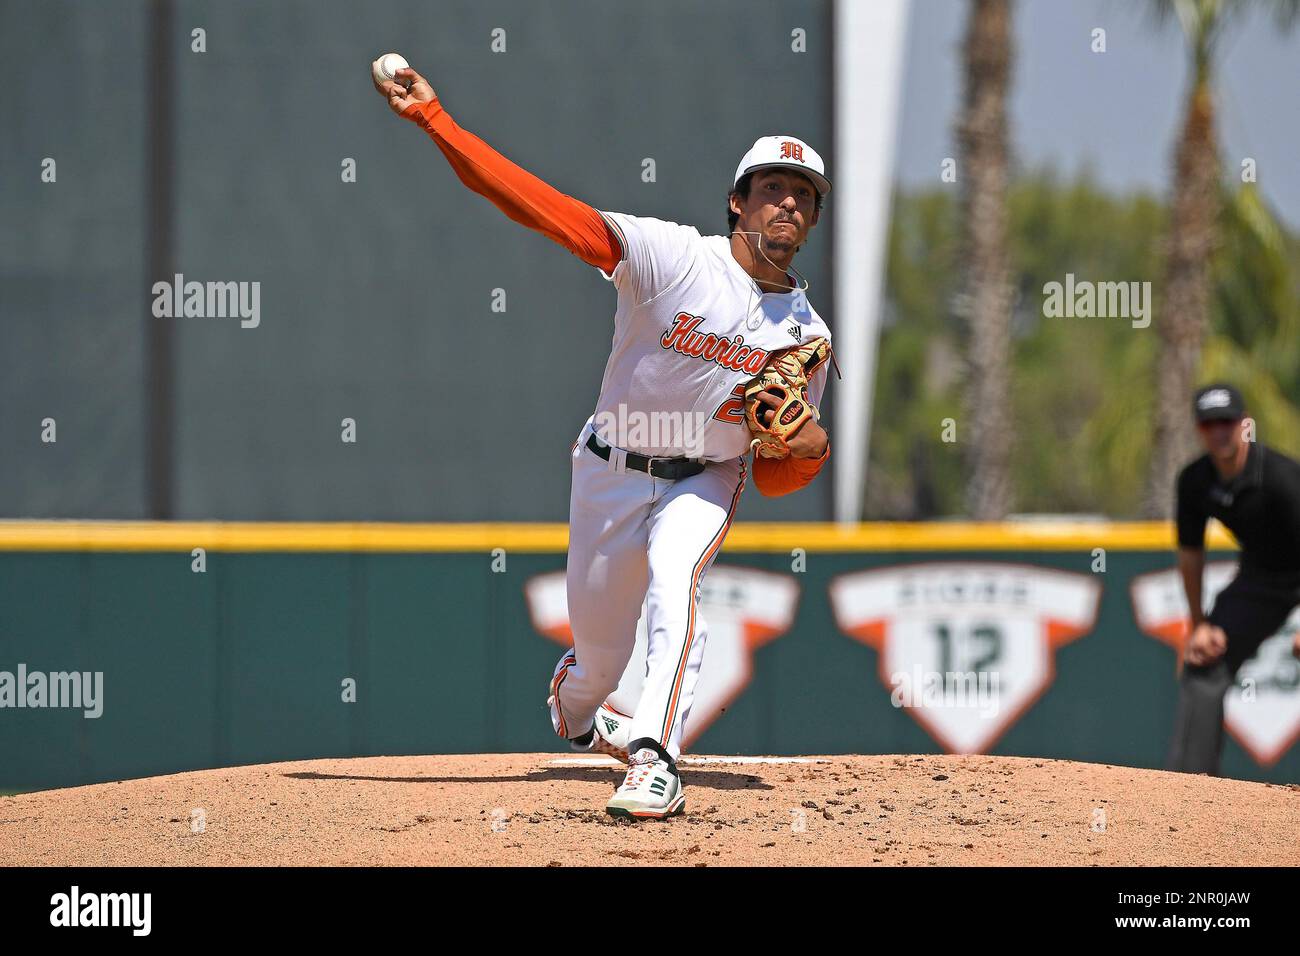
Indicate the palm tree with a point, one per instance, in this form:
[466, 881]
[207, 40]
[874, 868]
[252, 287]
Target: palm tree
[987, 298]
[1182, 319]
[1256, 336]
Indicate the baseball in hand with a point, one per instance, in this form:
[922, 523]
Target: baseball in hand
[385, 68]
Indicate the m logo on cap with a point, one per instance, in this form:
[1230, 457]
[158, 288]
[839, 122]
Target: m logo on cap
[1216, 398]
[792, 151]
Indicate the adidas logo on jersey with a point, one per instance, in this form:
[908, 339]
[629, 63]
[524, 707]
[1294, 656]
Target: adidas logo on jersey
[611, 725]
[795, 333]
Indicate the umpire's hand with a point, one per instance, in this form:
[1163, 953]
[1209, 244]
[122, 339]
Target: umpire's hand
[1206, 645]
[409, 87]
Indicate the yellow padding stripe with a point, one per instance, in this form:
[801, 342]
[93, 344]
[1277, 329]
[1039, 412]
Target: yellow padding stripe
[553, 538]
[967, 536]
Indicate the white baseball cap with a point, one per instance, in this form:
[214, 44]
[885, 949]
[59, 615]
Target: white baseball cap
[786, 152]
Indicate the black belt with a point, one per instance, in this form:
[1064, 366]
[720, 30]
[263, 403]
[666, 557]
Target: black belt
[669, 469]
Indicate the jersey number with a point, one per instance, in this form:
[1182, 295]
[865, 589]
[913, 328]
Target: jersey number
[732, 411]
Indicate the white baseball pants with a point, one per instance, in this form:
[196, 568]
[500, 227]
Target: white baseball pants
[635, 539]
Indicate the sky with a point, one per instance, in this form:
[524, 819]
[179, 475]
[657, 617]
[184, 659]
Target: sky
[1117, 112]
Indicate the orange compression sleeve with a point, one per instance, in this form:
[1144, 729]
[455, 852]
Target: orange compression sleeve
[779, 476]
[518, 193]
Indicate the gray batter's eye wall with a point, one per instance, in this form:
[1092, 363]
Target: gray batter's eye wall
[379, 295]
[296, 641]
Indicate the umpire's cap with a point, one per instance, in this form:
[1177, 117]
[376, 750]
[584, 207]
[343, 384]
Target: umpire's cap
[1218, 402]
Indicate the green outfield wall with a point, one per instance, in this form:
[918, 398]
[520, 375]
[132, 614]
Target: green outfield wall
[447, 643]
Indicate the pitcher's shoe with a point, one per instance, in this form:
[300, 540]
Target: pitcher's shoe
[652, 790]
[607, 735]
[612, 735]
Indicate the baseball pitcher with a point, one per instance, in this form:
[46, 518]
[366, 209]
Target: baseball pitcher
[716, 352]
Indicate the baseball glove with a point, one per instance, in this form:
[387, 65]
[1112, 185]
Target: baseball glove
[786, 375]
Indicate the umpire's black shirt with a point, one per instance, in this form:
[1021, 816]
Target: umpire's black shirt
[1261, 507]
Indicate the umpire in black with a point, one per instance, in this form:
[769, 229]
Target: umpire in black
[1255, 492]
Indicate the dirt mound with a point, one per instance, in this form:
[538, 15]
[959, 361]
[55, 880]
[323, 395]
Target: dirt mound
[545, 809]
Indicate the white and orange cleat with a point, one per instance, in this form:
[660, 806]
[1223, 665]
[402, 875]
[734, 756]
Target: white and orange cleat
[608, 734]
[652, 790]
[612, 735]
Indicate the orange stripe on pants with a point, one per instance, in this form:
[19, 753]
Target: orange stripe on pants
[556, 681]
[670, 715]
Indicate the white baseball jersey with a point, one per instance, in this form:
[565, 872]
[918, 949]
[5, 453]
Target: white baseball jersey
[691, 328]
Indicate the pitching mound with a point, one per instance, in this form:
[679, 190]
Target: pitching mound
[547, 809]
